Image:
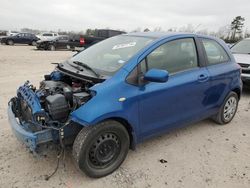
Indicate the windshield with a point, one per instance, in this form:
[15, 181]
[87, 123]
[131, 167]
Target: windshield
[108, 56]
[242, 47]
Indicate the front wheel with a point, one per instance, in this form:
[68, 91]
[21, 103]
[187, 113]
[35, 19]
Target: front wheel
[228, 109]
[99, 150]
[10, 42]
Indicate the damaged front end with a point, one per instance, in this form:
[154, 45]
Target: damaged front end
[41, 116]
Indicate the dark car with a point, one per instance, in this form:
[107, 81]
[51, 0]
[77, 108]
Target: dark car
[124, 90]
[99, 35]
[20, 38]
[60, 42]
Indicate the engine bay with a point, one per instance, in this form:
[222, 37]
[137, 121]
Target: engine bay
[50, 105]
[59, 99]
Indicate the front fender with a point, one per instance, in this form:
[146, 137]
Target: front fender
[99, 109]
[114, 99]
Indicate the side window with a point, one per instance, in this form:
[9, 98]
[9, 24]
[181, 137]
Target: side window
[174, 56]
[215, 52]
[47, 34]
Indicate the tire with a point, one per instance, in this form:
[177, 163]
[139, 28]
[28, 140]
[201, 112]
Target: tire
[10, 42]
[228, 109]
[100, 149]
[52, 47]
[33, 43]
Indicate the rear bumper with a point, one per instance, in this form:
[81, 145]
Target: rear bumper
[31, 139]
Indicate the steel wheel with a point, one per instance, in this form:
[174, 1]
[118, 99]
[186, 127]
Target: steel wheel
[100, 149]
[104, 150]
[230, 108]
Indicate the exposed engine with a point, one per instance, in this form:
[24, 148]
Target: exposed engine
[41, 115]
[58, 98]
[50, 104]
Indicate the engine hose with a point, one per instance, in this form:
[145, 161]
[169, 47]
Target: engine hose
[60, 154]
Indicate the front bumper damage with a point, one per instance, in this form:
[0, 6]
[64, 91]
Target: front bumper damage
[28, 130]
[31, 139]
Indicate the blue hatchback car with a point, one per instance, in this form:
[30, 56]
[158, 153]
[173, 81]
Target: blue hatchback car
[123, 90]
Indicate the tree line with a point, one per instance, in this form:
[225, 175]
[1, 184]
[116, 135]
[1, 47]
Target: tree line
[230, 33]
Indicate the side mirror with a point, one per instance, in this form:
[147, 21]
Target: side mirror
[156, 75]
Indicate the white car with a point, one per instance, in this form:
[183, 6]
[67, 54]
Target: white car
[12, 33]
[47, 36]
[241, 52]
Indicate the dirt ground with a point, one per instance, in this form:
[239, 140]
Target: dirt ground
[200, 155]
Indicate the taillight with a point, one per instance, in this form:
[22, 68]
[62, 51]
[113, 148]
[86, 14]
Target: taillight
[82, 41]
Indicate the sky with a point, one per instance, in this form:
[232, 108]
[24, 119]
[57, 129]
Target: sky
[78, 15]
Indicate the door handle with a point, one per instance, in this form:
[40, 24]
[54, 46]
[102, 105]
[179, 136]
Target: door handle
[202, 77]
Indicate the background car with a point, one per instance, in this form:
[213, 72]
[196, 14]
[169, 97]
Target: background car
[47, 36]
[12, 33]
[20, 38]
[60, 42]
[241, 52]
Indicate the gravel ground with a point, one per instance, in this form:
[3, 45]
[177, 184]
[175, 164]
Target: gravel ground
[200, 155]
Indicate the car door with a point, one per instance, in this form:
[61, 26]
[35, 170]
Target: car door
[18, 38]
[27, 38]
[221, 71]
[163, 106]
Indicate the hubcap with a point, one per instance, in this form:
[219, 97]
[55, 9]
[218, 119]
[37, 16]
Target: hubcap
[104, 150]
[230, 108]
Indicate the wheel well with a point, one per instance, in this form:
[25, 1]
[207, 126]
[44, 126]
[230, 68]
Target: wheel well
[237, 91]
[128, 128]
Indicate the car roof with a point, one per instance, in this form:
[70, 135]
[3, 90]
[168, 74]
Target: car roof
[157, 35]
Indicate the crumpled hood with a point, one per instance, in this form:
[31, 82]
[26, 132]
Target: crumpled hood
[242, 58]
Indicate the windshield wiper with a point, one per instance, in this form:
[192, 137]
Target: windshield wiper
[86, 67]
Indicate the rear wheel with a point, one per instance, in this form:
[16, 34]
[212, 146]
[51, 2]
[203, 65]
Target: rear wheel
[99, 150]
[10, 42]
[228, 109]
[52, 48]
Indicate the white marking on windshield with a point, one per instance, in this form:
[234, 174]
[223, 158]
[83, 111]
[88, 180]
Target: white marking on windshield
[121, 61]
[127, 45]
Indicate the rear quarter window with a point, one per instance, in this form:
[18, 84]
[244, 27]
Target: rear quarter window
[215, 52]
